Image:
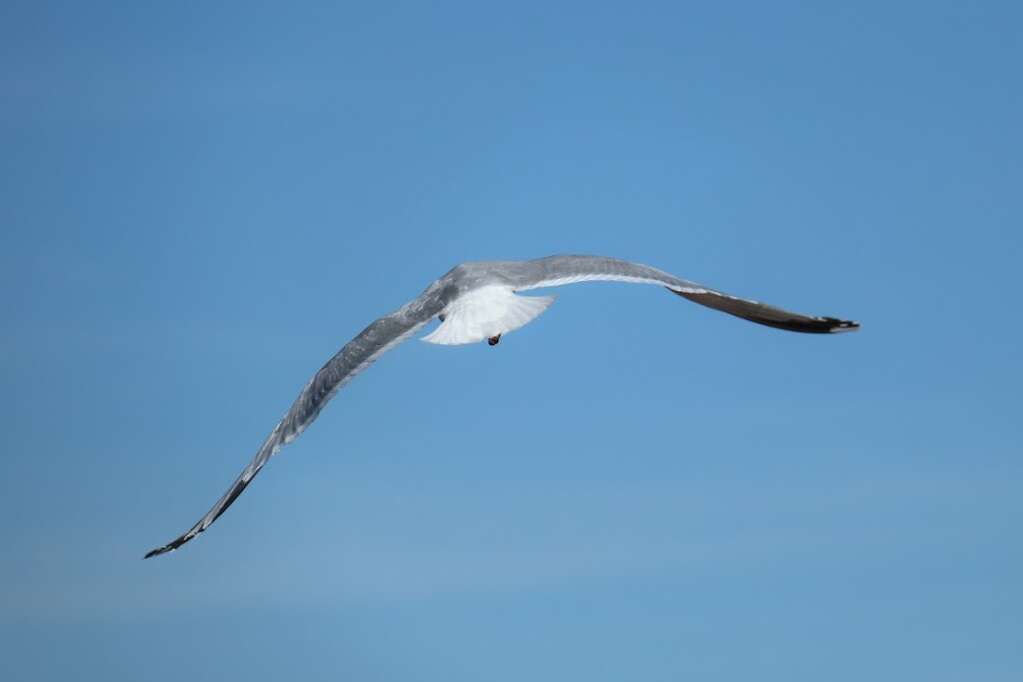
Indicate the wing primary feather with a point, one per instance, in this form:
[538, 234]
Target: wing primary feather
[766, 315]
[568, 269]
[357, 354]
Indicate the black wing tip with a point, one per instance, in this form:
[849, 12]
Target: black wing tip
[769, 316]
[838, 326]
[807, 325]
[170, 546]
[161, 550]
[207, 520]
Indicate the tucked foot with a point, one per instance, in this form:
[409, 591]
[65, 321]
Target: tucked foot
[493, 340]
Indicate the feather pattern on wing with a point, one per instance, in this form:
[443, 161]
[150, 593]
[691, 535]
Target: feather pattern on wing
[375, 340]
[559, 270]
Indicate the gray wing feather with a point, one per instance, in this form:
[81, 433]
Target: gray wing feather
[558, 270]
[357, 354]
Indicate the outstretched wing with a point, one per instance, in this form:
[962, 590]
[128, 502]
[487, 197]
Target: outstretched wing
[558, 270]
[359, 353]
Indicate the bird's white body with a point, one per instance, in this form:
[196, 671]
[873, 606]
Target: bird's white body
[484, 313]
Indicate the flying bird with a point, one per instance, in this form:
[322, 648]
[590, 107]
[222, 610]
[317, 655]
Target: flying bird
[475, 302]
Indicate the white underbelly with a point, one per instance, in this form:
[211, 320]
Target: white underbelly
[484, 313]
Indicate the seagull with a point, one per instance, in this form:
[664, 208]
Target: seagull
[479, 301]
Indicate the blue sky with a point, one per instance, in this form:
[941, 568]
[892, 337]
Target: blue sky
[200, 205]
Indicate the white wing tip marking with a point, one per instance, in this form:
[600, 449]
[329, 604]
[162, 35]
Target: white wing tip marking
[846, 326]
